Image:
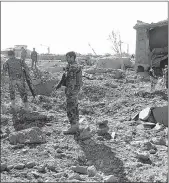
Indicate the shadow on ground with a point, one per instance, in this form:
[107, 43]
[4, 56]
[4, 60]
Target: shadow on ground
[104, 159]
[24, 120]
[145, 94]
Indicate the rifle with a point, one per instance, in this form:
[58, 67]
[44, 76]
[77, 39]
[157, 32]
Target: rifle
[28, 80]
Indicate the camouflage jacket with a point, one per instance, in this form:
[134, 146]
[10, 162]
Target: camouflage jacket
[14, 68]
[23, 54]
[73, 77]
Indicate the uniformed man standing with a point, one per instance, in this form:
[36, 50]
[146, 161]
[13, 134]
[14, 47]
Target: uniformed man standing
[73, 84]
[34, 57]
[23, 53]
[13, 67]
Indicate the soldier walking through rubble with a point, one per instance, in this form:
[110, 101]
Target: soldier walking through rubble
[73, 82]
[34, 57]
[16, 78]
[23, 53]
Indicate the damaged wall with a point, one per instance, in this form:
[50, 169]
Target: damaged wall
[158, 37]
[148, 37]
[142, 48]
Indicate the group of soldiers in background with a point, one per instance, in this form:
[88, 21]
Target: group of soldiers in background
[18, 73]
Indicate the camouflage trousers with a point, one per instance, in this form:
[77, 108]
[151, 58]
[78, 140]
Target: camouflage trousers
[20, 85]
[72, 107]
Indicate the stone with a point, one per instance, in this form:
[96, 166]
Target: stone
[59, 150]
[85, 133]
[148, 125]
[3, 166]
[105, 122]
[30, 164]
[41, 169]
[152, 151]
[75, 176]
[89, 163]
[24, 150]
[148, 146]
[31, 135]
[103, 131]
[80, 169]
[91, 171]
[159, 141]
[35, 174]
[145, 113]
[59, 175]
[110, 178]
[9, 167]
[143, 156]
[19, 166]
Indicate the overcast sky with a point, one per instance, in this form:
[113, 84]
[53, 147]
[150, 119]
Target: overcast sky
[66, 26]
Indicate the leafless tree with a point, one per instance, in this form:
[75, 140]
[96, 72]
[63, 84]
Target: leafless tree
[115, 38]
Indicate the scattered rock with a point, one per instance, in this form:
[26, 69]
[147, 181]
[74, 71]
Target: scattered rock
[152, 151]
[19, 166]
[110, 178]
[159, 141]
[3, 166]
[59, 150]
[89, 163]
[103, 131]
[148, 146]
[91, 171]
[145, 113]
[59, 175]
[148, 125]
[75, 176]
[85, 133]
[41, 169]
[30, 164]
[9, 167]
[24, 150]
[35, 174]
[32, 135]
[143, 156]
[80, 169]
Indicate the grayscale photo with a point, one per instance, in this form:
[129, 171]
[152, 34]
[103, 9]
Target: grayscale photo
[84, 91]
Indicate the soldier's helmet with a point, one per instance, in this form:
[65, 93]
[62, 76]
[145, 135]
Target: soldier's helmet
[71, 54]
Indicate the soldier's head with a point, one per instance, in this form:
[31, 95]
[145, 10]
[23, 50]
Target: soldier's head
[33, 49]
[71, 57]
[11, 54]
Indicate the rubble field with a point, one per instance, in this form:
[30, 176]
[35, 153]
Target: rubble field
[35, 149]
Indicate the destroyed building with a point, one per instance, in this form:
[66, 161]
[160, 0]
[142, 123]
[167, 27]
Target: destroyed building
[151, 44]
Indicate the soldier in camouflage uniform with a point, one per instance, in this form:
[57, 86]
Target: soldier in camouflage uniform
[73, 83]
[16, 78]
[23, 53]
[34, 57]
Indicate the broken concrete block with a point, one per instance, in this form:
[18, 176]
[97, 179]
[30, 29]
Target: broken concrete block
[31, 135]
[161, 115]
[110, 178]
[80, 169]
[145, 113]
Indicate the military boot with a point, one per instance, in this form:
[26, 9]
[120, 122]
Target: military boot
[72, 130]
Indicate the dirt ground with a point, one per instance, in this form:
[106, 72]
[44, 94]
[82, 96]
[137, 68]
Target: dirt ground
[103, 98]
